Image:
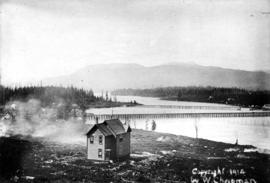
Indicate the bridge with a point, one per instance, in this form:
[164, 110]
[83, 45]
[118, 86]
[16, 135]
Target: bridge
[232, 108]
[91, 116]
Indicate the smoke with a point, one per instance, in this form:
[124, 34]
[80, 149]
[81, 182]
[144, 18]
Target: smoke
[31, 118]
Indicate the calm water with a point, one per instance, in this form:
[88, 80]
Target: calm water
[254, 131]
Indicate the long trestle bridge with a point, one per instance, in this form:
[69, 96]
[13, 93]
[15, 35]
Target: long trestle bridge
[92, 116]
[193, 107]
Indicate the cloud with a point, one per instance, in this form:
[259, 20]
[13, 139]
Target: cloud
[56, 37]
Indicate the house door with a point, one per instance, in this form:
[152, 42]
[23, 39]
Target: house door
[107, 154]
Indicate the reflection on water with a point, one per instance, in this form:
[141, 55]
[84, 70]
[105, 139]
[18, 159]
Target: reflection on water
[248, 130]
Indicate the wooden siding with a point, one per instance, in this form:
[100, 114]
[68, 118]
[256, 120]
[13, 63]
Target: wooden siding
[111, 144]
[92, 149]
[123, 147]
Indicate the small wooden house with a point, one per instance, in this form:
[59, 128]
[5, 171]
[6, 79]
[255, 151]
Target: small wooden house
[109, 140]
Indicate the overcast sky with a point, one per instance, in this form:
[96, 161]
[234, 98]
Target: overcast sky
[41, 38]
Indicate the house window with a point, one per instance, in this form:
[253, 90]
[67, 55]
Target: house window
[100, 153]
[91, 139]
[100, 139]
[120, 139]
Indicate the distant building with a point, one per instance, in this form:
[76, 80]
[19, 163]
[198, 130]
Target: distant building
[109, 140]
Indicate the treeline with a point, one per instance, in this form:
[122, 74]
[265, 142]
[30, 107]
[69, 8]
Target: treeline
[49, 95]
[233, 96]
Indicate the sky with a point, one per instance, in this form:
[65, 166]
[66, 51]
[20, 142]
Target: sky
[41, 39]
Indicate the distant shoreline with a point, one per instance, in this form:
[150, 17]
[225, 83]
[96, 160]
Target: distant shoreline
[215, 95]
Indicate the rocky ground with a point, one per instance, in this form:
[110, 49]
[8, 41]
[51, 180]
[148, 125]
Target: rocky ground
[156, 157]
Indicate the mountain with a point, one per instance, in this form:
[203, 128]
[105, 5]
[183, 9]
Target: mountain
[115, 76]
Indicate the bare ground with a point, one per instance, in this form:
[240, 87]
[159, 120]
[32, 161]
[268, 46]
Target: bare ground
[156, 157]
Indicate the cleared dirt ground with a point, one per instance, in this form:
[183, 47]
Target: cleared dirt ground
[156, 157]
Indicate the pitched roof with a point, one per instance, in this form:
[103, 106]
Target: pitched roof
[115, 125]
[110, 127]
[103, 128]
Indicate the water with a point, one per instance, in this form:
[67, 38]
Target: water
[248, 130]
[217, 129]
[157, 101]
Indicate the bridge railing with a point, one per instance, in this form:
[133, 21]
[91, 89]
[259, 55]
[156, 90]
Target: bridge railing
[179, 115]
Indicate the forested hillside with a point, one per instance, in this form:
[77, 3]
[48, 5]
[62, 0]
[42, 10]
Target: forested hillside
[60, 97]
[234, 96]
[48, 95]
